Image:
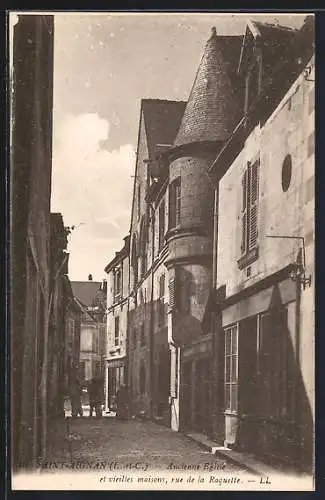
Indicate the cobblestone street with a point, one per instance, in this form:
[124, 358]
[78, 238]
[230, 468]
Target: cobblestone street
[134, 444]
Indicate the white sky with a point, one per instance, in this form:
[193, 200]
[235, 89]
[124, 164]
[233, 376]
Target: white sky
[104, 64]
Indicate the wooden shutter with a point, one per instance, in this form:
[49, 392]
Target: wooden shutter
[253, 204]
[244, 212]
[172, 293]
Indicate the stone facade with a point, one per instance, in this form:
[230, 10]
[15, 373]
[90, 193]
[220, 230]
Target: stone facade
[32, 89]
[265, 236]
[220, 324]
[91, 298]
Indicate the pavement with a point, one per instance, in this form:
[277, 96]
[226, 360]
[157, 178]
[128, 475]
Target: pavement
[249, 461]
[141, 443]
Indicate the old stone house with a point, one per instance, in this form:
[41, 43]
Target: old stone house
[220, 327]
[91, 298]
[117, 323]
[148, 345]
[263, 303]
[31, 135]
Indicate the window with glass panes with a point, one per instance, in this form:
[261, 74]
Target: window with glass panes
[175, 203]
[117, 331]
[231, 368]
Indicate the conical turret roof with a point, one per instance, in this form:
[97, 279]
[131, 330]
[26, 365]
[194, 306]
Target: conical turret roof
[214, 106]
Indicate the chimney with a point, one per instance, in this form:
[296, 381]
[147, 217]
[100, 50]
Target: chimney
[213, 32]
[90, 277]
[104, 286]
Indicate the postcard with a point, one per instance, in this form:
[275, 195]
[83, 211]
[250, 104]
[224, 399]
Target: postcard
[162, 205]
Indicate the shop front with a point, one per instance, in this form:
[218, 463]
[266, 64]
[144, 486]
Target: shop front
[264, 395]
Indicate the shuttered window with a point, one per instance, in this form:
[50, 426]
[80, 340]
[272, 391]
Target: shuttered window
[172, 293]
[249, 214]
[244, 213]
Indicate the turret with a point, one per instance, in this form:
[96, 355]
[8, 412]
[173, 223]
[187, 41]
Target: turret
[210, 116]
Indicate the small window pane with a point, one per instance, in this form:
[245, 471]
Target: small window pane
[227, 369]
[228, 341]
[233, 393]
[227, 397]
[234, 340]
[234, 368]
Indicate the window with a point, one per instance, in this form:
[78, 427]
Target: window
[172, 293]
[117, 283]
[231, 368]
[286, 173]
[249, 214]
[161, 224]
[162, 286]
[117, 331]
[175, 203]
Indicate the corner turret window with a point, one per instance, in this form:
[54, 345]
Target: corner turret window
[175, 203]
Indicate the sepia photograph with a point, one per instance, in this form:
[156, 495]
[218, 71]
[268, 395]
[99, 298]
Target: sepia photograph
[162, 260]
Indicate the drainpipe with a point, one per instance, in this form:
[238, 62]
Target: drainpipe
[215, 236]
[297, 362]
[151, 341]
[215, 389]
[127, 340]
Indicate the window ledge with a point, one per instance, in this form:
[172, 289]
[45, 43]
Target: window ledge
[231, 413]
[248, 258]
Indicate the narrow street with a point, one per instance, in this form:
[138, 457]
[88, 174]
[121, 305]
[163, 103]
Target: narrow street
[133, 445]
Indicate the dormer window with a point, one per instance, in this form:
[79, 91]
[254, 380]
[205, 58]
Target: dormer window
[175, 203]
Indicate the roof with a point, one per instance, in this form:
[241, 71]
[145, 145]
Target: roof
[119, 256]
[162, 119]
[273, 39]
[213, 108]
[86, 291]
